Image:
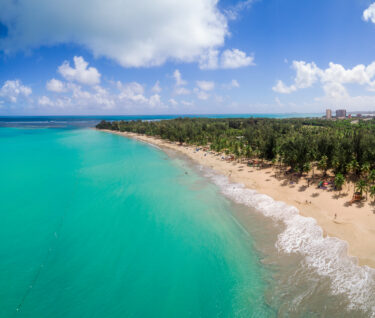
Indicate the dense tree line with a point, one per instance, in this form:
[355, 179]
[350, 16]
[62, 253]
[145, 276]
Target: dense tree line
[344, 147]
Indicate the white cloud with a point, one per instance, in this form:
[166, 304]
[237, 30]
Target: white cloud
[134, 95]
[133, 92]
[209, 60]
[233, 84]
[335, 90]
[205, 85]
[45, 101]
[156, 88]
[55, 85]
[229, 59]
[187, 103]
[202, 88]
[202, 95]
[11, 90]
[81, 73]
[155, 101]
[181, 91]
[173, 102]
[278, 102]
[178, 78]
[235, 58]
[233, 12]
[133, 33]
[281, 88]
[369, 13]
[332, 78]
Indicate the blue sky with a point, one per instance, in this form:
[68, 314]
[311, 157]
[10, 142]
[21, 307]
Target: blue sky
[186, 56]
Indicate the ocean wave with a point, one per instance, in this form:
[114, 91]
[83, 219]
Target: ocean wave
[326, 255]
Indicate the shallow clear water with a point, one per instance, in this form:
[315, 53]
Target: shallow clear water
[96, 225]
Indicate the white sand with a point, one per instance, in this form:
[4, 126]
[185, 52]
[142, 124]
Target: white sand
[354, 224]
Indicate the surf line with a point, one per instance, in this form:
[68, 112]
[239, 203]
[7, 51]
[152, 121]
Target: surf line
[41, 266]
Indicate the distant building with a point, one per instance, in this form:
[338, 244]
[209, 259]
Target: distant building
[328, 114]
[341, 113]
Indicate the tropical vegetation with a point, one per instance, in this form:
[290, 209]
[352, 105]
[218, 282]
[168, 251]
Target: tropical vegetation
[343, 147]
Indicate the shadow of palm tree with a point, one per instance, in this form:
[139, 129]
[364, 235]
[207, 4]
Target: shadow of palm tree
[360, 204]
[339, 195]
[302, 188]
[315, 194]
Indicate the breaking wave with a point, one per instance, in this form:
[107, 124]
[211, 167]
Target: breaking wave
[302, 235]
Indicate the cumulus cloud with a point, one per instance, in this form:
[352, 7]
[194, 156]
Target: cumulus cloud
[187, 103]
[156, 88]
[235, 58]
[209, 60]
[179, 84]
[133, 92]
[233, 12]
[11, 90]
[155, 101]
[332, 78]
[178, 78]
[173, 102]
[80, 73]
[55, 85]
[369, 13]
[202, 95]
[205, 85]
[229, 59]
[133, 33]
[278, 101]
[45, 101]
[181, 91]
[281, 88]
[202, 88]
[232, 84]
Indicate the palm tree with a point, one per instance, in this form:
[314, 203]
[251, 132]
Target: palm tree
[306, 167]
[361, 186]
[372, 192]
[371, 176]
[355, 166]
[365, 169]
[335, 164]
[339, 182]
[323, 164]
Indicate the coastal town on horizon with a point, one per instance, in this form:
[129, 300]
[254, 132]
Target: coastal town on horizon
[343, 114]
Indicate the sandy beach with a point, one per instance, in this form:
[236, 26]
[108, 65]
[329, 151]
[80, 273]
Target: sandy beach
[353, 223]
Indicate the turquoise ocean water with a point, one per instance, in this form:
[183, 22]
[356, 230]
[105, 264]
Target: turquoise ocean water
[97, 225]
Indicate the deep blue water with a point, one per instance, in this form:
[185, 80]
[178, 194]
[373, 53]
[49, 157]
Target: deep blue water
[91, 121]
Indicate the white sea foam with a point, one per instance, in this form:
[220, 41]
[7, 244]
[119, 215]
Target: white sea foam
[326, 255]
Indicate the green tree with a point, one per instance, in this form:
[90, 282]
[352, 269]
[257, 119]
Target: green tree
[323, 164]
[339, 182]
[372, 192]
[361, 186]
[365, 169]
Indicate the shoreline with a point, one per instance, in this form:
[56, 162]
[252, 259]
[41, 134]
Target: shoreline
[353, 224]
